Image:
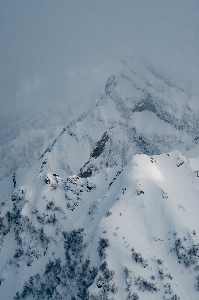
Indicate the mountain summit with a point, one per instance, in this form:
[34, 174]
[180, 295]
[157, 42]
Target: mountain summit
[141, 111]
[107, 207]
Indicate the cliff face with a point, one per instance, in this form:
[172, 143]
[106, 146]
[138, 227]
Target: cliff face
[109, 207]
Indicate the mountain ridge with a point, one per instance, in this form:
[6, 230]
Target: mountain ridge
[108, 208]
[130, 93]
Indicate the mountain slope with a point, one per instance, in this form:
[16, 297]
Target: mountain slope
[141, 111]
[137, 114]
[107, 206]
[124, 232]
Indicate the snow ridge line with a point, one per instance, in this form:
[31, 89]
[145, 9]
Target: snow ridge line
[49, 148]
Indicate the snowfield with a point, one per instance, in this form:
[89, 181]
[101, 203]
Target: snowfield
[106, 207]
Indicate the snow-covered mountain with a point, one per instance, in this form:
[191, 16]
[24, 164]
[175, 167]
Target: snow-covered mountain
[141, 111]
[107, 206]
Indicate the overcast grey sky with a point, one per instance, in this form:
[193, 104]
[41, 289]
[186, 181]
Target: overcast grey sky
[63, 51]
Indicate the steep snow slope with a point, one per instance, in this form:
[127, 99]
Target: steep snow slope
[109, 207]
[141, 111]
[22, 143]
[25, 149]
[125, 233]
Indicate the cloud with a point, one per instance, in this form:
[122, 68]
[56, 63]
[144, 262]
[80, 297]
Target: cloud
[60, 52]
[31, 85]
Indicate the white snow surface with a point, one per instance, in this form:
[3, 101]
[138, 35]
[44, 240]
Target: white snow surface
[151, 205]
[142, 110]
[107, 206]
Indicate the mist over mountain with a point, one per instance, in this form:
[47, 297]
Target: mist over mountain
[106, 206]
[99, 143]
[142, 110]
[61, 54]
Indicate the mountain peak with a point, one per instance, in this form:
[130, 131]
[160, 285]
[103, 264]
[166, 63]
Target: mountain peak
[106, 207]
